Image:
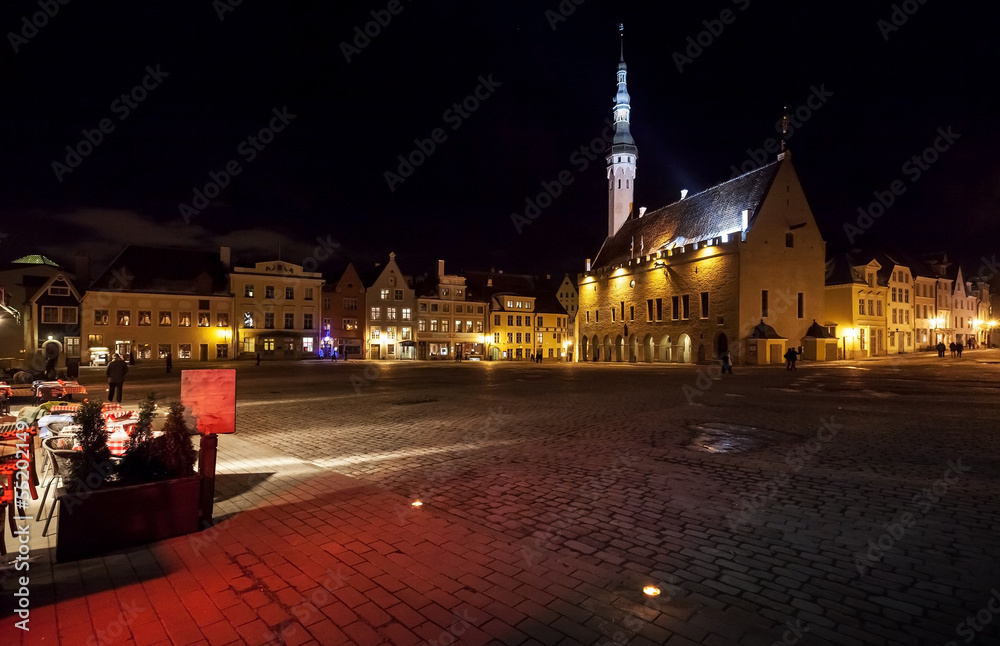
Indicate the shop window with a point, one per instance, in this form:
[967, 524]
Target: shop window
[184, 351]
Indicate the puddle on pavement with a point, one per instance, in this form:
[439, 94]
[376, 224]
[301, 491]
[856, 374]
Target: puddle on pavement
[728, 438]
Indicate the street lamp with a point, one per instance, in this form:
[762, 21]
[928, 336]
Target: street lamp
[849, 333]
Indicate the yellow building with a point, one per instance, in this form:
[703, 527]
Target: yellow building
[900, 311]
[279, 307]
[856, 305]
[151, 302]
[704, 275]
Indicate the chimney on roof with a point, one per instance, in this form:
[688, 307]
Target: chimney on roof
[684, 193]
[642, 211]
[440, 268]
[226, 257]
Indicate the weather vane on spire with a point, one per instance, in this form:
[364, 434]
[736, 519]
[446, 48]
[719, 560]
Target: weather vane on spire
[784, 127]
[621, 33]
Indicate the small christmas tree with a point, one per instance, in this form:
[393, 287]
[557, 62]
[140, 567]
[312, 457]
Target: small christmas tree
[89, 469]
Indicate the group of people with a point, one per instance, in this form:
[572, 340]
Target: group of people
[955, 348]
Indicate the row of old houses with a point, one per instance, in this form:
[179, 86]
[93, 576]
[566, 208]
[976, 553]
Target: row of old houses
[151, 303]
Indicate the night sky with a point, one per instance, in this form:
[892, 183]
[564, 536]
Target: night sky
[217, 74]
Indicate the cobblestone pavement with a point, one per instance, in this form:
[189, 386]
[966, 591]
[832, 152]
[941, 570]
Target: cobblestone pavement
[846, 503]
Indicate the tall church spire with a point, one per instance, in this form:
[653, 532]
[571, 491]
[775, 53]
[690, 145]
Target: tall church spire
[623, 154]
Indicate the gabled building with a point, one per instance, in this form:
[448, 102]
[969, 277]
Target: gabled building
[897, 278]
[39, 310]
[278, 304]
[152, 301]
[390, 304]
[569, 298]
[450, 323]
[855, 305]
[343, 324]
[687, 281]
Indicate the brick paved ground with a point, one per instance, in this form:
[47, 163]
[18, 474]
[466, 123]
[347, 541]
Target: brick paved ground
[859, 508]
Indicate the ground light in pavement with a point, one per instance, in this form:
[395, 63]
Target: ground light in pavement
[651, 591]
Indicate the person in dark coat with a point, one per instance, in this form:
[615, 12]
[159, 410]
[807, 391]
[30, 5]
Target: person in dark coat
[791, 356]
[958, 349]
[940, 348]
[116, 372]
[727, 362]
[170, 362]
[258, 358]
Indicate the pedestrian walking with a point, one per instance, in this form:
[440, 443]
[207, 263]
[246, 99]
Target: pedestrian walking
[951, 348]
[940, 348]
[170, 361]
[958, 349]
[115, 373]
[258, 358]
[791, 356]
[727, 362]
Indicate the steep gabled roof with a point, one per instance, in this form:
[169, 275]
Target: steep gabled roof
[163, 270]
[703, 216]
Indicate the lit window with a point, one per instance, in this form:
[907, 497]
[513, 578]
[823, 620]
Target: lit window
[164, 319]
[184, 319]
[123, 317]
[145, 317]
[248, 291]
[385, 294]
[222, 319]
